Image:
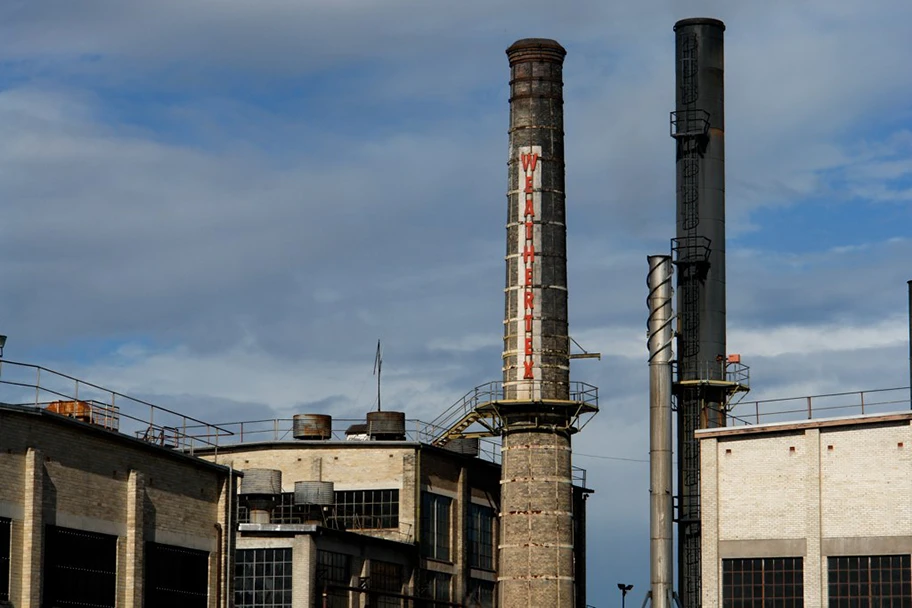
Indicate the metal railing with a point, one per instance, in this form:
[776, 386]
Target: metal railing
[877, 401]
[282, 429]
[25, 384]
[498, 391]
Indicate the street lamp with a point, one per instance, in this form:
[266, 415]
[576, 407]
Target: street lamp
[2, 344]
[624, 589]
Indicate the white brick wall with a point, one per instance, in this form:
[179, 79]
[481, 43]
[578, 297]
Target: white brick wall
[809, 491]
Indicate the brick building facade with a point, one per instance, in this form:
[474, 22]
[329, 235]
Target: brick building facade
[811, 513]
[411, 525]
[90, 516]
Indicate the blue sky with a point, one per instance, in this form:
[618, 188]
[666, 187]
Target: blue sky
[222, 205]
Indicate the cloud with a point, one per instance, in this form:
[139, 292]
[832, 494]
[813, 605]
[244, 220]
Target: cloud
[221, 206]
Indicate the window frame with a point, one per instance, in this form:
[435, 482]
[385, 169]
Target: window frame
[436, 526]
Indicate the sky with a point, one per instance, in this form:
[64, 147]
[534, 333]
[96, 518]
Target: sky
[221, 205]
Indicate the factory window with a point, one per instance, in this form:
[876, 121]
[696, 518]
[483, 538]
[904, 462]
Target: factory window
[878, 580]
[481, 537]
[385, 576]
[80, 568]
[4, 557]
[435, 526]
[262, 578]
[367, 509]
[761, 582]
[285, 511]
[333, 571]
[435, 586]
[481, 594]
[176, 577]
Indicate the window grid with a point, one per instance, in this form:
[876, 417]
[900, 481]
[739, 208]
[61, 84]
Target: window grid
[435, 526]
[385, 576]
[368, 509]
[176, 577]
[481, 593]
[332, 569]
[4, 557]
[262, 578]
[884, 581]
[437, 586]
[762, 582]
[481, 537]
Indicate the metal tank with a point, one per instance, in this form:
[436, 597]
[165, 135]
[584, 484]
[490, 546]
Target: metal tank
[260, 488]
[698, 127]
[321, 493]
[311, 427]
[386, 426]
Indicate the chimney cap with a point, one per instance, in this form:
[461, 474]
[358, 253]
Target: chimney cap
[536, 49]
[699, 21]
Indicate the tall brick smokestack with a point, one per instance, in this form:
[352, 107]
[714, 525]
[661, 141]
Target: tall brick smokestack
[536, 542]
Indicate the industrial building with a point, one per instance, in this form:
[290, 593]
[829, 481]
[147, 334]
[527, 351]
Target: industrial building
[808, 513]
[91, 515]
[368, 514]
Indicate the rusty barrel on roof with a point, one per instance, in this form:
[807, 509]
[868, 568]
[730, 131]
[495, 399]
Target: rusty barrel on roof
[261, 482]
[388, 426]
[467, 446]
[312, 427]
[314, 493]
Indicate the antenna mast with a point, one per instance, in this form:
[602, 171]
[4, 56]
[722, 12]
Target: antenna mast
[378, 369]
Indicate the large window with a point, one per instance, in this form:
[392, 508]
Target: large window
[176, 577]
[385, 576]
[435, 586]
[435, 526]
[262, 578]
[868, 581]
[366, 509]
[761, 582]
[333, 571]
[481, 594]
[4, 557]
[80, 568]
[480, 529]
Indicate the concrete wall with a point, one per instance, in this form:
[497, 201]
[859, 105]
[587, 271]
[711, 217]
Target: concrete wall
[807, 491]
[63, 473]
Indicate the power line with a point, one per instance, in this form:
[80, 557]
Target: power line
[610, 457]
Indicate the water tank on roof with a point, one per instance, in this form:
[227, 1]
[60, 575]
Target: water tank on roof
[386, 426]
[313, 427]
[262, 482]
[467, 446]
[320, 493]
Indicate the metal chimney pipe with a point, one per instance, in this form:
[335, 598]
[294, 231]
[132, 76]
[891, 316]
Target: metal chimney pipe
[659, 341]
[698, 126]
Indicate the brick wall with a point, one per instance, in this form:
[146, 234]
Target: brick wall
[809, 491]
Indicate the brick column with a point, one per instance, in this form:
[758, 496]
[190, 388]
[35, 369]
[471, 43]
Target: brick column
[460, 545]
[711, 590]
[304, 571]
[132, 568]
[33, 530]
[814, 569]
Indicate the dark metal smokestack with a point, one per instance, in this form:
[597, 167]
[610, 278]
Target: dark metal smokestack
[536, 542]
[698, 126]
